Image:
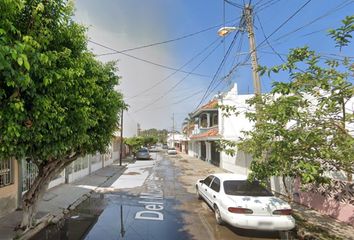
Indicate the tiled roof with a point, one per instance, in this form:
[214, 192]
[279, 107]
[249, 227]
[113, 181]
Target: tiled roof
[210, 105]
[214, 132]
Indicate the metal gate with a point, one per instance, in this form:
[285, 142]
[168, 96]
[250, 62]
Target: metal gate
[29, 173]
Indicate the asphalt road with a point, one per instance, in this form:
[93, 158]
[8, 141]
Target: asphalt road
[150, 201]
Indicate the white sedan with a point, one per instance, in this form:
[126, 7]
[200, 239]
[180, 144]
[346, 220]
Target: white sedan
[244, 204]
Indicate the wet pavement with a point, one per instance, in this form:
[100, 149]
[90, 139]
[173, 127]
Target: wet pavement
[161, 207]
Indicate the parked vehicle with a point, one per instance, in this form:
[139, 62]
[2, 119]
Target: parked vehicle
[143, 153]
[165, 146]
[171, 151]
[153, 149]
[244, 204]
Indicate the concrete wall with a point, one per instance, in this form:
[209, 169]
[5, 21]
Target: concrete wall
[239, 163]
[8, 194]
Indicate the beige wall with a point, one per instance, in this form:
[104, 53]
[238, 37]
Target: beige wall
[8, 194]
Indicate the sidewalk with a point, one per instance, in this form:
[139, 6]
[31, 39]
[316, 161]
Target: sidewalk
[59, 200]
[310, 223]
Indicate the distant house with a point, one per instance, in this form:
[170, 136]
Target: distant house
[211, 124]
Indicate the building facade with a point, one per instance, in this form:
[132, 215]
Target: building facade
[16, 177]
[212, 122]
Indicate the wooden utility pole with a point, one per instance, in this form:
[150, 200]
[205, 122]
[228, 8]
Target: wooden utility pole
[173, 130]
[121, 138]
[248, 11]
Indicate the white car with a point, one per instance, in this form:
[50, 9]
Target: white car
[171, 151]
[244, 204]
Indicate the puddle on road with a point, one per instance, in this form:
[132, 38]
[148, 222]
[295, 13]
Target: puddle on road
[112, 216]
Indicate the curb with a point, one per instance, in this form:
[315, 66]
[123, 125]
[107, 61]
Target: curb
[56, 218]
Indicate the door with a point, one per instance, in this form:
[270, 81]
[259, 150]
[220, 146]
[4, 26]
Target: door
[215, 154]
[214, 190]
[202, 150]
[205, 191]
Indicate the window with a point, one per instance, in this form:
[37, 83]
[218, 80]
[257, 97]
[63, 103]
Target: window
[204, 121]
[207, 181]
[215, 119]
[5, 172]
[245, 188]
[216, 184]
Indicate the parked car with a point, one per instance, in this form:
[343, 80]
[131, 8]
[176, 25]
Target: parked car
[244, 204]
[171, 151]
[165, 146]
[153, 149]
[143, 153]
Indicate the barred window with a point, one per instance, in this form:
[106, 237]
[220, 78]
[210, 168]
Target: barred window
[5, 173]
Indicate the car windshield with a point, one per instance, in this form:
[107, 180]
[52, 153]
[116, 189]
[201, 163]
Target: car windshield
[143, 150]
[245, 188]
[171, 149]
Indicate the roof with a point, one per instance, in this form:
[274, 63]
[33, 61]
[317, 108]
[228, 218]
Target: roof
[230, 176]
[214, 132]
[210, 105]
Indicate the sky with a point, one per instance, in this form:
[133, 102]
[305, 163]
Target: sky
[164, 82]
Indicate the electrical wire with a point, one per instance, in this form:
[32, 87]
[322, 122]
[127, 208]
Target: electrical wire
[265, 37]
[266, 5]
[329, 12]
[234, 4]
[173, 73]
[285, 22]
[180, 81]
[146, 61]
[219, 68]
[169, 40]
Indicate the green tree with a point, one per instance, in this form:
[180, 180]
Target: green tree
[300, 127]
[134, 143]
[57, 102]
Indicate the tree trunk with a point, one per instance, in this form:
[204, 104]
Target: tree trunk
[290, 199]
[32, 197]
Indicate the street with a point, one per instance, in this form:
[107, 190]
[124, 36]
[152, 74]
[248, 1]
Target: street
[151, 200]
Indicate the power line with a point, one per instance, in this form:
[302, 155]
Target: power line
[180, 68]
[265, 37]
[180, 81]
[219, 68]
[234, 4]
[266, 5]
[329, 12]
[194, 94]
[169, 40]
[285, 22]
[146, 61]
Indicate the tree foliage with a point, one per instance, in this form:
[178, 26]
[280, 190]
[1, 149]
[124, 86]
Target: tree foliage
[301, 127]
[57, 102]
[156, 134]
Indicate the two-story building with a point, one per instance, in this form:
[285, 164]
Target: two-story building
[211, 124]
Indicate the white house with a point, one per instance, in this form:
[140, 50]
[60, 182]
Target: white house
[212, 124]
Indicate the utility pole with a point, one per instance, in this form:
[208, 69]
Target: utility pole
[248, 11]
[121, 138]
[173, 130]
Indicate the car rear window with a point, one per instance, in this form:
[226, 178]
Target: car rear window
[245, 188]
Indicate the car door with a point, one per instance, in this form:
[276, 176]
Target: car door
[214, 191]
[205, 189]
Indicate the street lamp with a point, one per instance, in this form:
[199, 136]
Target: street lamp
[222, 32]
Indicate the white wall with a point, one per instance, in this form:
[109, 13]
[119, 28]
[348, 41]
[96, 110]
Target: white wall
[239, 163]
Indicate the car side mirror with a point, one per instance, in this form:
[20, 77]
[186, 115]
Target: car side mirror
[201, 181]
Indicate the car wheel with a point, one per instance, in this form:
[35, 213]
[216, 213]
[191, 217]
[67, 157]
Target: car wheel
[218, 216]
[198, 194]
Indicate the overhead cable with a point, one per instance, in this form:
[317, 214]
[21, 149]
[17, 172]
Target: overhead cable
[173, 73]
[167, 41]
[147, 61]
